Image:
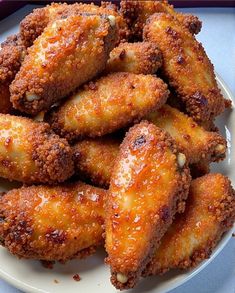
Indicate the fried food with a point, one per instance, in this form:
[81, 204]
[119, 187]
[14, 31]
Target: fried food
[12, 53]
[112, 102]
[94, 159]
[200, 168]
[142, 57]
[136, 14]
[186, 67]
[210, 211]
[33, 25]
[148, 186]
[193, 140]
[52, 223]
[69, 52]
[31, 153]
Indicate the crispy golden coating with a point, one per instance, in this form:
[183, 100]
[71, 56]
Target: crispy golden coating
[186, 67]
[210, 211]
[142, 57]
[52, 223]
[149, 184]
[34, 24]
[94, 159]
[112, 102]
[137, 12]
[69, 52]
[12, 53]
[193, 140]
[31, 153]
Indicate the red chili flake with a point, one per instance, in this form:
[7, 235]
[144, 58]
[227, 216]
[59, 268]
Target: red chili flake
[76, 278]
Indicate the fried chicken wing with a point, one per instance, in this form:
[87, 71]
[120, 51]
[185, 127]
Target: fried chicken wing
[112, 102]
[94, 159]
[31, 153]
[137, 12]
[12, 53]
[142, 57]
[52, 223]
[148, 186]
[69, 52]
[210, 211]
[186, 67]
[33, 25]
[193, 140]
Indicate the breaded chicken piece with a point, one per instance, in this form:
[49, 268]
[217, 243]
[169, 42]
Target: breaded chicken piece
[186, 67]
[34, 24]
[52, 223]
[142, 57]
[31, 153]
[136, 14]
[112, 102]
[210, 211]
[12, 53]
[94, 159]
[69, 52]
[193, 140]
[149, 184]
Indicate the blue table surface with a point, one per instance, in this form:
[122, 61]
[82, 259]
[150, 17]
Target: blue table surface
[218, 38]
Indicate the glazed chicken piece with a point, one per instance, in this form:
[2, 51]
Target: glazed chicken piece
[52, 223]
[33, 25]
[149, 184]
[69, 52]
[31, 153]
[210, 211]
[136, 14]
[186, 67]
[108, 104]
[12, 53]
[142, 57]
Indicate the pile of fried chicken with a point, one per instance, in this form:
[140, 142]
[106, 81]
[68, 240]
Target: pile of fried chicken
[107, 115]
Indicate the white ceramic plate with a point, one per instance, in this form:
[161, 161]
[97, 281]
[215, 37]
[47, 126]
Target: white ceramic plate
[31, 276]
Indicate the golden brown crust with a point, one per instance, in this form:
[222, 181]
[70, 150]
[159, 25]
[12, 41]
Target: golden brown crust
[148, 186]
[33, 25]
[136, 14]
[186, 67]
[210, 211]
[31, 153]
[60, 60]
[193, 140]
[142, 57]
[11, 55]
[52, 223]
[112, 102]
[94, 159]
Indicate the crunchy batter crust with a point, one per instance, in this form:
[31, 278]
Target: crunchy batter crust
[11, 55]
[34, 24]
[210, 211]
[148, 186]
[142, 57]
[108, 104]
[136, 14]
[69, 52]
[52, 223]
[94, 159]
[193, 140]
[186, 67]
[31, 153]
